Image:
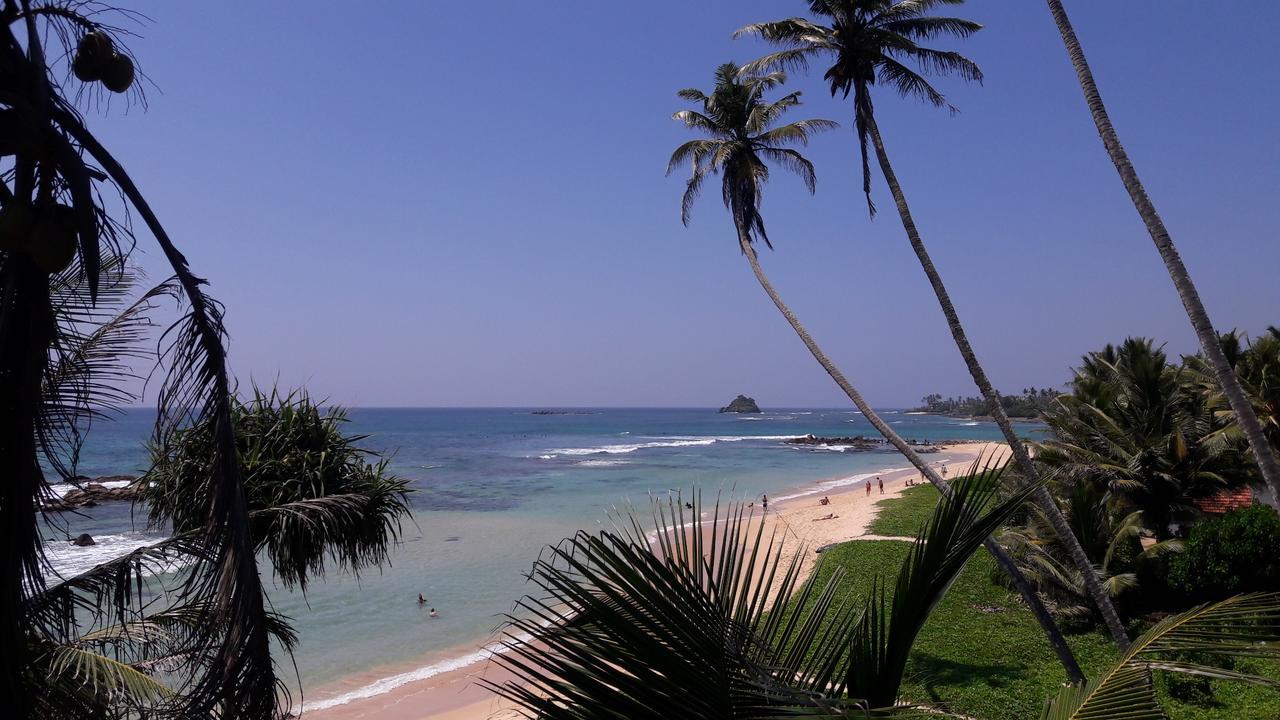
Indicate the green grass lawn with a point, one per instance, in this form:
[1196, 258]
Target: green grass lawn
[902, 516]
[982, 654]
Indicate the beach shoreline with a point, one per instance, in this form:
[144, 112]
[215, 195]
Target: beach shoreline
[442, 687]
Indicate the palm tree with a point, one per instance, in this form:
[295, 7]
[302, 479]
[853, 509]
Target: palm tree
[738, 121]
[1257, 366]
[1263, 453]
[1143, 435]
[54, 225]
[868, 41]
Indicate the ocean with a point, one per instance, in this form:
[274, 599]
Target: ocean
[492, 488]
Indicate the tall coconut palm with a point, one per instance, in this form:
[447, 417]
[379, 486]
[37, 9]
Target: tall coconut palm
[54, 225]
[739, 121]
[870, 42]
[1247, 419]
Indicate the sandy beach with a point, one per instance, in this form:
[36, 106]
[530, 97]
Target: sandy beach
[458, 694]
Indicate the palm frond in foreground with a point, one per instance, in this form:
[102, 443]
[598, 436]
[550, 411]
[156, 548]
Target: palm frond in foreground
[1243, 626]
[697, 618]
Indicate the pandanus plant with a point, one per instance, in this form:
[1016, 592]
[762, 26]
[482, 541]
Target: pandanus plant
[877, 42]
[739, 123]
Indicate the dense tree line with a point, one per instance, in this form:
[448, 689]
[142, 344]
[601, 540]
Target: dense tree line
[1031, 403]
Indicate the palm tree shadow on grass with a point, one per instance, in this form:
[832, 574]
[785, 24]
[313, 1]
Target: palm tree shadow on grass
[933, 672]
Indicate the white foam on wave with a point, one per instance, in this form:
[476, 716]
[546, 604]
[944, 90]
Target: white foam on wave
[969, 424]
[825, 487]
[61, 489]
[601, 463]
[68, 560]
[677, 441]
[387, 684]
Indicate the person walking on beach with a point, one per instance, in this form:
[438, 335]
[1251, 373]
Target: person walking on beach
[764, 501]
[868, 488]
[881, 481]
[944, 471]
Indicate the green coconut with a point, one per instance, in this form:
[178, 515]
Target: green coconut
[53, 241]
[117, 75]
[15, 225]
[93, 55]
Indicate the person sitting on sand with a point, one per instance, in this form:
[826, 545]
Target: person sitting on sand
[825, 501]
[421, 600]
[433, 613]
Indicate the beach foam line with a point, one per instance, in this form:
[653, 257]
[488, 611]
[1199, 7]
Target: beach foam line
[387, 684]
[61, 489]
[676, 441]
[69, 560]
[601, 463]
[825, 487]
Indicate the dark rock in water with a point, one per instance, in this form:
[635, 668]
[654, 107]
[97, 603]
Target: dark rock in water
[741, 404]
[92, 492]
[855, 443]
[84, 540]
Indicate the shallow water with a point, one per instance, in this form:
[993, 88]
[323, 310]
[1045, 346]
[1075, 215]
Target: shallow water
[493, 487]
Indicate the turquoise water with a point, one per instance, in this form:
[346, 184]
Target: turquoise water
[493, 487]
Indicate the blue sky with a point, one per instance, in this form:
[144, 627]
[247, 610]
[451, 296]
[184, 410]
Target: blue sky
[429, 203]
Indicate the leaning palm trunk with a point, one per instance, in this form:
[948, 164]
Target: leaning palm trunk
[1042, 497]
[1245, 416]
[1006, 563]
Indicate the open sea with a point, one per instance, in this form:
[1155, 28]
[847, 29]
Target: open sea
[493, 487]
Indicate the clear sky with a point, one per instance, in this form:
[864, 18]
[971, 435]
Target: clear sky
[449, 204]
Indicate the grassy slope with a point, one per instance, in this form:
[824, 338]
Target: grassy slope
[981, 653]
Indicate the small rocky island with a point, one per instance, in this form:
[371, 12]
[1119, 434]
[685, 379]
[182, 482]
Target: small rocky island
[741, 404]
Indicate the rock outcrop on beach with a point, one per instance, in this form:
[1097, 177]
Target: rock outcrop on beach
[84, 540]
[741, 404]
[93, 491]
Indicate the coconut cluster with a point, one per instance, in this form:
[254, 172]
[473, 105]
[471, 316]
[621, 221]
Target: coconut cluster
[96, 59]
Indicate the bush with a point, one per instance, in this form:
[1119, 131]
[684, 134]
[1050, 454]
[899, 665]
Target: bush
[1236, 553]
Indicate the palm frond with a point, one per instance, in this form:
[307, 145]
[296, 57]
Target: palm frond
[240, 677]
[1243, 626]
[956, 530]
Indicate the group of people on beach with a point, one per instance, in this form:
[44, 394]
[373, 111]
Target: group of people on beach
[826, 500]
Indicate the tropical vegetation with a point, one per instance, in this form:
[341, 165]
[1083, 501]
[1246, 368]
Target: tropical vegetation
[1264, 453]
[1029, 404]
[633, 621]
[706, 625]
[871, 42]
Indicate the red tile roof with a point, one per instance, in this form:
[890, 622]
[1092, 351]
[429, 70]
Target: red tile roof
[1225, 502]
